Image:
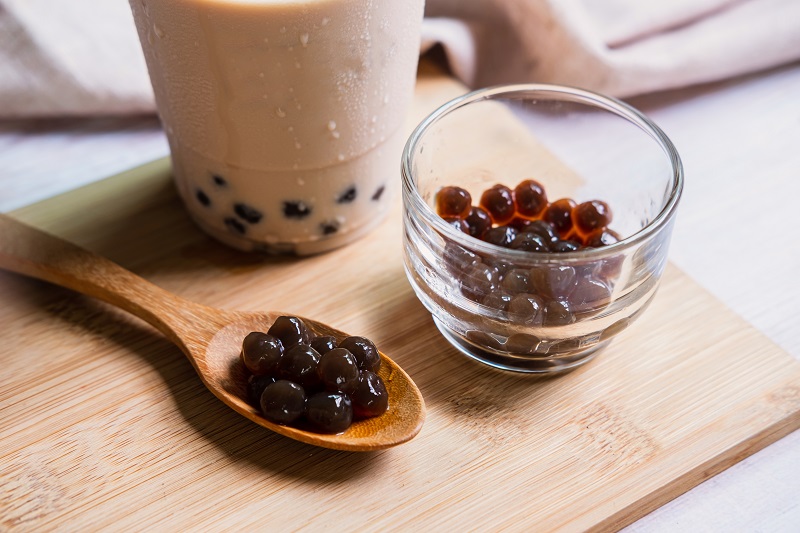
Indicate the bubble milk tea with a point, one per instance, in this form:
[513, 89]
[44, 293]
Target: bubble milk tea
[284, 117]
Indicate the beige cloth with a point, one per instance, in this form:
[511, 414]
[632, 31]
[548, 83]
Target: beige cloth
[73, 57]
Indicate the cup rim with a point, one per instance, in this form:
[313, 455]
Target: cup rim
[568, 93]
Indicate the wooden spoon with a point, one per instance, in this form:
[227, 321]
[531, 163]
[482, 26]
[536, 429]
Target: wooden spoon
[210, 338]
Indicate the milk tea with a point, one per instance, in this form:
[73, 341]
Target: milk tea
[283, 116]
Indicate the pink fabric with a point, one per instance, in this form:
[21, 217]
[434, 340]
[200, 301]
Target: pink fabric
[82, 56]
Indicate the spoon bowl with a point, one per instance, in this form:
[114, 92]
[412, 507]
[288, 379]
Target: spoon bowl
[210, 338]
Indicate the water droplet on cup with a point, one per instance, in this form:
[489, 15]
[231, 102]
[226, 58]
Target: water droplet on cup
[280, 112]
[304, 40]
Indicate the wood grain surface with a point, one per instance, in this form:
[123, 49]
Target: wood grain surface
[105, 425]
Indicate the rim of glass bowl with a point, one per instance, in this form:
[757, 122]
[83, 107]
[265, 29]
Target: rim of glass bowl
[562, 92]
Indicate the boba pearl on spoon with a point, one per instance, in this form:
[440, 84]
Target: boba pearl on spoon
[210, 338]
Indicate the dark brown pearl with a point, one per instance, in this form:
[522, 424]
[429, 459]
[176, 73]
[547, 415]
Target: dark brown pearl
[497, 300]
[526, 309]
[261, 353]
[291, 331]
[501, 236]
[589, 295]
[478, 222]
[590, 216]
[600, 237]
[543, 229]
[370, 397]
[530, 199]
[478, 280]
[458, 223]
[559, 214]
[453, 202]
[364, 351]
[516, 281]
[499, 203]
[561, 247]
[530, 242]
[558, 313]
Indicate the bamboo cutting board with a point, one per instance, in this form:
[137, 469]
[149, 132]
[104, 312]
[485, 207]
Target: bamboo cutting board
[105, 426]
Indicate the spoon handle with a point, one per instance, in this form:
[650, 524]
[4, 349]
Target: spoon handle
[34, 253]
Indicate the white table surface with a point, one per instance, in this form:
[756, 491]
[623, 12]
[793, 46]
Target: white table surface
[737, 234]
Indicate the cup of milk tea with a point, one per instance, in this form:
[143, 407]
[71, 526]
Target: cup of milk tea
[284, 117]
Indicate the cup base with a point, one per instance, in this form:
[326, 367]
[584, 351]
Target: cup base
[518, 362]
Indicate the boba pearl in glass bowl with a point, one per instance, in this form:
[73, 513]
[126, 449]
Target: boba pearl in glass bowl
[537, 220]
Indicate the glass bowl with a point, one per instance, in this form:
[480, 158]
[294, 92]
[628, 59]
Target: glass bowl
[578, 145]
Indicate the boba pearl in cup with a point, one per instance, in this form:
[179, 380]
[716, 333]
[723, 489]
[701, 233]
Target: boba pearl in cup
[284, 117]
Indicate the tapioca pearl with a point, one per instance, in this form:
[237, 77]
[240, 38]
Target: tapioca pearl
[296, 209]
[516, 281]
[378, 193]
[338, 371]
[235, 226]
[348, 196]
[559, 214]
[478, 281]
[498, 201]
[609, 269]
[497, 300]
[283, 402]
[299, 365]
[600, 237]
[589, 295]
[458, 223]
[291, 331]
[329, 227]
[256, 386]
[543, 229]
[500, 265]
[365, 352]
[202, 197]
[522, 343]
[590, 216]
[530, 242]
[370, 397]
[553, 282]
[561, 247]
[530, 198]
[558, 313]
[526, 309]
[479, 222]
[457, 258]
[219, 181]
[329, 412]
[247, 213]
[324, 344]
[453, 202]
[261, 353]
[500, 236]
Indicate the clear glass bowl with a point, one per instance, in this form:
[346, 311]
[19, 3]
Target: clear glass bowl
[579, 145]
